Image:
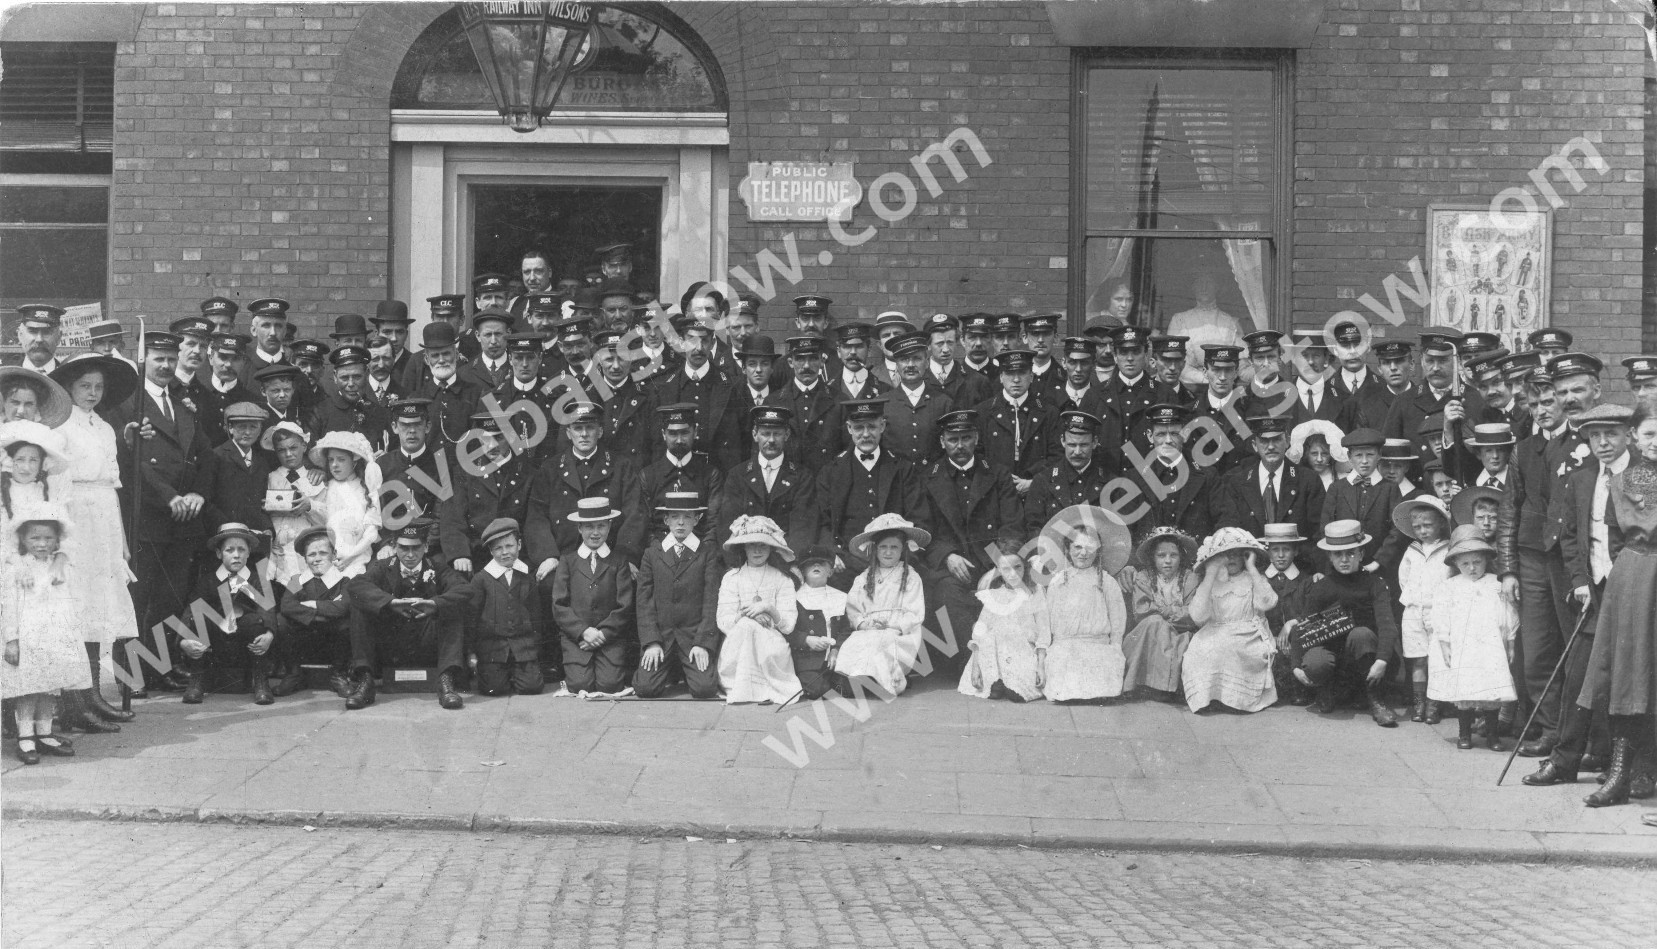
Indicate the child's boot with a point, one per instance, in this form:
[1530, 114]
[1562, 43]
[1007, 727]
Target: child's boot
[261, 681]
[1493, 729]
[1464, 733]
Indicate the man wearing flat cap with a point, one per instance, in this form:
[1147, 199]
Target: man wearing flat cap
[770, 483]
[971, 504]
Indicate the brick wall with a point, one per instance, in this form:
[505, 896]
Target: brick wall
[240, 169]
[1406, 102]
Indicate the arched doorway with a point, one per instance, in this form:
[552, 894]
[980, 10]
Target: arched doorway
[634, 151]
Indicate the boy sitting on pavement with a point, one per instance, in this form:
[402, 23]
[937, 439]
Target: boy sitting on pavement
[316, 613]
[249, 634]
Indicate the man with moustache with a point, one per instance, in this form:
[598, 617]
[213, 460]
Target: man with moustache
[347, 409]
[626, 420]
[39, 333]
[816, 423]
[770, 483]
[854, 381]
[1077, 477]
[391, 322]
[453, 398]
[915, 406]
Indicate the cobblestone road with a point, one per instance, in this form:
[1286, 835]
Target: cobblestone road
[178, 886]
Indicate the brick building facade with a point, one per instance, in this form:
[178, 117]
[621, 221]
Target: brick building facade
[257, 151]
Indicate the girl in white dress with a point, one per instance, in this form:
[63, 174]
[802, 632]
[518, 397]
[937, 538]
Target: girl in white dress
[1081, 646]
[756, 613]
[290, 498]
[1472, 626]
[43, 654]
[1230, 658]
[99, 547]
[350, 500]
[886, 607]
[1002, 661]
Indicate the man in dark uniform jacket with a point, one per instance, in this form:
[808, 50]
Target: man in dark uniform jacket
[308, 355]
[529, 383]
[1039, 332]
[1222, 402]
[854, 380]
[346, 410]
[626, 416]
[811, 318]
[1488, 374]
[679, 467]
[190, 380]
[1365, 392]
[479, 499]
[1169, 357]
[450, 310]
[1077, 477]
[975, 340]
[1314, 390]
[168, 531]
[1172, 491]
[755, 357]
[971, 504]
[915, 404]
[412, 451]
[770, 484]
[226, 356]
[410, 609]
[269, 318]
[718, 404]
[1437, 396]
[233, 474]
[581, 470]
[1082, 390]
[964, 386]
[454, 398]
[861, 483]
[1016, 429]
[817, 423]
[1133, 388]
[1271, 490]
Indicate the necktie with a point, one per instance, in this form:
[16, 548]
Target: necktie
[593, 561]
[166, 408]
[293, 476]
[1018, 437]
[678, 553]
[1269, 497]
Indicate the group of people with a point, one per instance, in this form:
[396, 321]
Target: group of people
[587, 486]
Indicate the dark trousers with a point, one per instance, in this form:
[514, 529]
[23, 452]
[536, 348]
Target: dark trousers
[161, 590]
[595, 670]
[1579, 728]
[816, 678]
[1348, 658]
[949, 598]
[327, 642]
[414, 641]
[1544, 622]
[653, 683]
[524, 678]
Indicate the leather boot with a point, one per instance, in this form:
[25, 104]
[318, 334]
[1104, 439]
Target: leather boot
[447, 695]
[195, 682]
[1464, 732]
[1550, 774]
[1325, 701]
[1593, 762]
[362, 690]
[1493, 728]
[1378, 709]
[261, 682]
[95, 701]
[341, 682]
[1435, 712]
[73, 715]
[1617, 779]
[1418, 709]
[1643, 766]
[288, 680]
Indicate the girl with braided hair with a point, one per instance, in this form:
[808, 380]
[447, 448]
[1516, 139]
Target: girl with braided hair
[1081, 647]
[886, 607]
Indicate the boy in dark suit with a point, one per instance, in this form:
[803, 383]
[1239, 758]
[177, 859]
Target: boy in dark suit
[1290, 580]
[316, 616]
[677, 600]
[592, 603]
[249, 631]
[235, 472]
[1366, 497]
[1366, 652]
[507, 601]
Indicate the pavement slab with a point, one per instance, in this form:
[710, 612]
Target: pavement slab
[932, 765]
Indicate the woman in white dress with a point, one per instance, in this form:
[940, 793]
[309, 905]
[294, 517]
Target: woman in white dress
[756, 613]
[98, 547]
[886, 607]
[1229, 659]
[1081, 648]
[350, 501]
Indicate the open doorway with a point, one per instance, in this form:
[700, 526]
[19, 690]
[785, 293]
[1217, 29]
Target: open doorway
[568, 223]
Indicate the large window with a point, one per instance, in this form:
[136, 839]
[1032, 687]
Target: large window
[1182, 177]
[57, 106]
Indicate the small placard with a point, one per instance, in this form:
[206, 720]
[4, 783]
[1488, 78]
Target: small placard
[408, 675]
[800, 191]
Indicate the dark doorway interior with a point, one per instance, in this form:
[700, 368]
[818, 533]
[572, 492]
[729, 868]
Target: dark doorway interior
[569, 223]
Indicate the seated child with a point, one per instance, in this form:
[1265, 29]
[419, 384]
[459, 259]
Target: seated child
[1229, 660]
[757, 612]
[290, 493]
[820, 626]
[1081, 648]
[885, 607]
[678, 628]
[1290, 581]
[1426, 521]
[1472, 626]
[1363, 654]
[506, 602]
[316, 614]
[247, 639]
[1002, 661]
[592, 603]
[1159, 584]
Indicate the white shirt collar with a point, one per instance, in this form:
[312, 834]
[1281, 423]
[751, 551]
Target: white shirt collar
[158, 393]
[769, 464]
[870, 464]
[854, 380]
[1405, 487]
[1264, 474]
[691, 541]
[222, 574]
[913, 395]
[677, 461]
[602, 551]
[940, 370]
[264, 357]
[1485, 477]
[1374, 478]
[494, 568]
[1616, 467]
[329, 579]
[1221, 403]
[803, 387]
[1310, 387]
[1291, 573]
[697, 374]
[587, 457]
[759, 395]
[1354, 381]
[1130, 382]
[966, 467]
[1017, 403]
[223, 387]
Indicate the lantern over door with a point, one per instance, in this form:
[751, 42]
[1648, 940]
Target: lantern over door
[526, 49]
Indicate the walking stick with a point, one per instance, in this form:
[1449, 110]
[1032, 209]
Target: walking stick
[1537, 707]
[137, 489]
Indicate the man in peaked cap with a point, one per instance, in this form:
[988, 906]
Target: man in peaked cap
[1270, 489]
[625, 401]
[1134, 387]
[1437, 394]
[1550, 342]
[1038, 332]
[961, 384]
[1077, 476]
[1169, 357]
[855, 380]
[818, 430]
[527, 381]
[492, 326]
[490, 291]
[861, 483]
[1174, 492]
[888, 325]
[719, 407]
[195, 334]
[1223, 401]
[226, 355]
[1315, 394]
[1642, 380]
[914, 407]
[976, 346]
[811, 315]
[349, 409]
[39, 333]
[222, 311]
[972, 504]
[270, 323]
[1003, 333]
[412, 448]
[1486, 372]
[770, 483]
[1015, 428]
[678, 467]
[410, 609]
[1082, 390]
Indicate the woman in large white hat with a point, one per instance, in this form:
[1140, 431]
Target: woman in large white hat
[350, 501]
[756, 613]
[1230, 658]
[885, 605]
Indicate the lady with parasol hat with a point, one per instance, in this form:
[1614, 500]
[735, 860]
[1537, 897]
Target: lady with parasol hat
[885, 605]
[1159, 584]
[1230, 658]
[96, 383]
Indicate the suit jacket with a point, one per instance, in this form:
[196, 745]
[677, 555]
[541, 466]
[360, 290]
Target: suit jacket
[967, 521]
[1334, 406]
[235, 489]
[719, 426]
[1022, 448]
[583, 598]
[965, 386]
[818, 431]
[627, 424]
[170, 465]
[1299, 499]
[1369, 405]
[912, 430]
[500, 376]
[791, 502]
[508, 627]
[1113, 426]
[475, 501]
[1058, 486]
[678, 600]
[1574, 506]
[251, 618]
[557, 487]
[1526, 523]
[897, 490]
[1373, 508]
[432, 462]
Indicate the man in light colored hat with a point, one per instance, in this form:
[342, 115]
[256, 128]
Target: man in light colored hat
[106, 337]
[1492, 444]
[593, 603]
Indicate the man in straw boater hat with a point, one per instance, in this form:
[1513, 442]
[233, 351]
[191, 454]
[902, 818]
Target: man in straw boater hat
[592, 603]
[410, 607]
[678, 586]
[1359, 658]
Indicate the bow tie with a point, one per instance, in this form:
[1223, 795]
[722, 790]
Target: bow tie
[866, 455]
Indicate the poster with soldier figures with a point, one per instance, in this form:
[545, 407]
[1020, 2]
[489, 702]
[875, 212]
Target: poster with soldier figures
[1488, 272]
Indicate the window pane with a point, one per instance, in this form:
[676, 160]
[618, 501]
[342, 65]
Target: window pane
[1213, 291]
[24, 205]
[1180, 149]
[45, 265]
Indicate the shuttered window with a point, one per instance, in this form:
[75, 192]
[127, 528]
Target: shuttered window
[57, 97]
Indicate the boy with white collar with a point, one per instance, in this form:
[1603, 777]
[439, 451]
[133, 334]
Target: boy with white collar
[249, 631]
[508, 603]
[677, 604]
[317, 610]
[592, 603]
